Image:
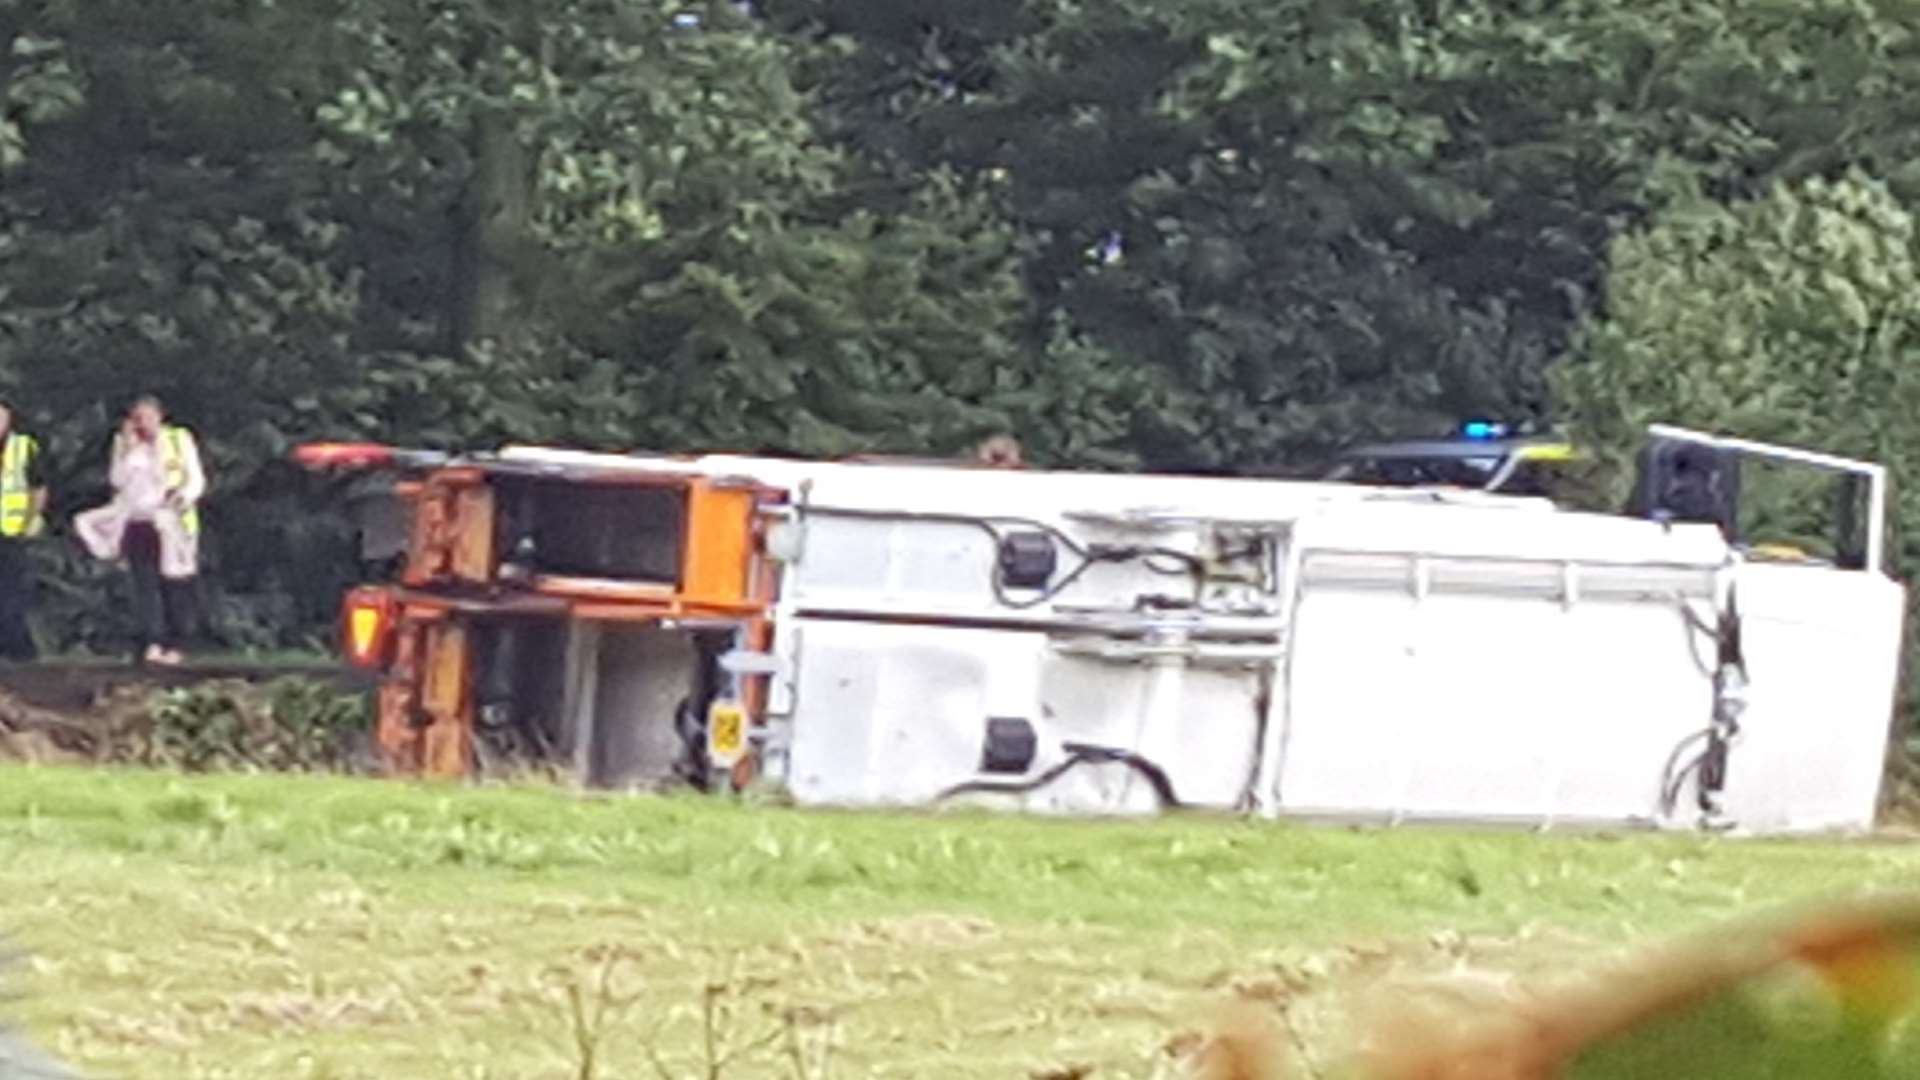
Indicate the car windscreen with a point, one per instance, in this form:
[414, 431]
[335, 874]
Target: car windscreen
[1421, 471]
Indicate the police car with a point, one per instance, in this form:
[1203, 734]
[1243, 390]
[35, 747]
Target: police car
[1484, 456]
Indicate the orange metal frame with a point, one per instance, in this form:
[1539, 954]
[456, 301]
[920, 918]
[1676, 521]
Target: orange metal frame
[425, 720]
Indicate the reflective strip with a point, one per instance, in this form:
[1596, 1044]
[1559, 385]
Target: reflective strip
[173, 465]
[1548, 452]
[16, 497]
[13, 514]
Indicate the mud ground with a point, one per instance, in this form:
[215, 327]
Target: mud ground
[62, 711]
[71, 686]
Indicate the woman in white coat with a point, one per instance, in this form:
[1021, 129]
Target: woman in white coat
[153, 523]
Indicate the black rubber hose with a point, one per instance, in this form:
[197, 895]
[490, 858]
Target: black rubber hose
[1078, 754]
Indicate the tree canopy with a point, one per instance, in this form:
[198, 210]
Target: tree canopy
[1215, 234]
[1793, 318]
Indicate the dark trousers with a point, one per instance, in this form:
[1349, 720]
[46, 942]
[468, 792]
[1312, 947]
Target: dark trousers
[16, 596]
[163, 608]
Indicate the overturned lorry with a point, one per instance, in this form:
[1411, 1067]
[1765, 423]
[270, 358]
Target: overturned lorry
[913, 634]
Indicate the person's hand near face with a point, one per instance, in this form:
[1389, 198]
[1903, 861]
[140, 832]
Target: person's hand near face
[146, 421]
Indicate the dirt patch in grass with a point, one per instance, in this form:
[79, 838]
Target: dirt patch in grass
[73, 714]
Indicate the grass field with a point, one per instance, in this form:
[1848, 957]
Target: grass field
[194, 928]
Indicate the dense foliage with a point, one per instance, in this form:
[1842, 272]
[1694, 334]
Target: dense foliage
[1793, 318]
[1214, 234]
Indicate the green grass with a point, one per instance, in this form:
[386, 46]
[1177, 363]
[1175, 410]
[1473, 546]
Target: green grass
[194, 928]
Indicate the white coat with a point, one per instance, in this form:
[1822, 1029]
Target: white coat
[136, 473]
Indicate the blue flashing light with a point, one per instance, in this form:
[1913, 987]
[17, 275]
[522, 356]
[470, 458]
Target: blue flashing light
[1483, 429]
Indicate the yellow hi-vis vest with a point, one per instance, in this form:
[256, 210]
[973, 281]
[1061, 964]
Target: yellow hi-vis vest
[17, 515]
[174, 466]
[173, 470]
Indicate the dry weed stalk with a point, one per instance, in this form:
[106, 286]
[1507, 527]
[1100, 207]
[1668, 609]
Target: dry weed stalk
[726, 1024]
[810, 1062]
[720, 1023]
[591, 1008]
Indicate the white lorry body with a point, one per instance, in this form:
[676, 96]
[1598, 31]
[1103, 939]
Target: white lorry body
[1313, 650]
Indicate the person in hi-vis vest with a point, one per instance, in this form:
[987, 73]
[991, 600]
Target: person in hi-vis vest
[157, 482]
[23, 505]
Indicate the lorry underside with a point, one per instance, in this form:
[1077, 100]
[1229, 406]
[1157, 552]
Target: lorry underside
[577, 619]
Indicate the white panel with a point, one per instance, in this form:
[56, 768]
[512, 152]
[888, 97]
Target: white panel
[1822, 649]
[1500, 534]
[897, 714]
[1485, 706]
[1199, 724]
[946, 569]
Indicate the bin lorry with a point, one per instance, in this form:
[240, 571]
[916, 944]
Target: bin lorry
[909, 634]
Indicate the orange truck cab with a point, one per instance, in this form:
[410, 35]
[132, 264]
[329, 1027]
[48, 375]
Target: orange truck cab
[600, 613]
